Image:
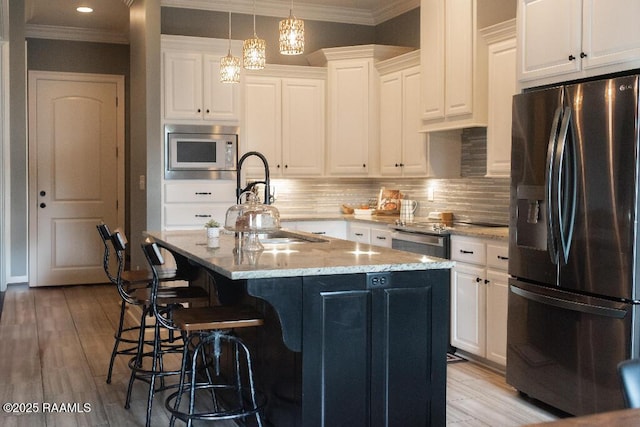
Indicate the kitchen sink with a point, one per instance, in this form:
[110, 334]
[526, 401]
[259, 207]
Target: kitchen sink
[288, 237]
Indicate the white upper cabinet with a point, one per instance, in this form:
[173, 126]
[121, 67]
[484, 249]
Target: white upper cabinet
[351, 101]
[191, 77]
[352, 106]
[284, 119]
[454, 66]
[561, 40]
[404, 149]
[501, 41]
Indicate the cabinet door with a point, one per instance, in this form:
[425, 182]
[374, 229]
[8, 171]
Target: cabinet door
[497, 290]
[262, 128]
[502, 87]
[182, 85]
[414, 142]
[303, 137]
[336, 333]
[459, 54]
[432, 42]
[337, 229]
[468, 305]
[221, 100]
[391, 124]
[349, 104]
[549, 31]
[602, 44]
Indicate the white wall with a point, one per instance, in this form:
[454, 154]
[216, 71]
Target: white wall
[4, 156]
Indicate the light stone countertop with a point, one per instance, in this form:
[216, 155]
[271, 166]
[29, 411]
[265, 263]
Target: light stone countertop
[496, 233]
[332, 256]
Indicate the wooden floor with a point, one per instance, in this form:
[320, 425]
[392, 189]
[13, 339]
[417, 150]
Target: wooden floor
[55, 345]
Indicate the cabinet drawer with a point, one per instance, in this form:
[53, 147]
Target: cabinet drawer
[337, 229]
[359, 234]
[380, 237]
[468, 250]
[186, 192]
[193, 216]
[497, 256]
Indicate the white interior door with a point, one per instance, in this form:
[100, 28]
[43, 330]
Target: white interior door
[75, 132]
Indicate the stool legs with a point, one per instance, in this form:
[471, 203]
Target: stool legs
[198, 342]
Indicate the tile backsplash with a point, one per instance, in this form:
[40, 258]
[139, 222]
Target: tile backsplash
[470, 197]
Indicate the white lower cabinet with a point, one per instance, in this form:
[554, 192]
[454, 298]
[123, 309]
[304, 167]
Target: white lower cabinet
[479, 290]
[380, 236]
[190, 204]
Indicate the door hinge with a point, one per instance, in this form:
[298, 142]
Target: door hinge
[117, 102]
[117, 153]
[117, 204]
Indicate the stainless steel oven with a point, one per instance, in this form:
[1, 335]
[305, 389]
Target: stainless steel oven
[431, 243]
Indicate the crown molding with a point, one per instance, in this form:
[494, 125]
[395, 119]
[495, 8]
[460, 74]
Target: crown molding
[276, 8]
[499, 32]
[74, 34]
[377, 52]
[398, 63]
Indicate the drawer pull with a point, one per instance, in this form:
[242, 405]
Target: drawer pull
[381, 238]
[503, 258]
[462, 251]
[203, 193]
[202, 216]
[359, 234]
[318, 232]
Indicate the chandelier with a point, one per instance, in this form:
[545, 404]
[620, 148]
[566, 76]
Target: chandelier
[291, 34]
[229, 65]
[253, 49]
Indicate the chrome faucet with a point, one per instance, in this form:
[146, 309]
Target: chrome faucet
[267, 190]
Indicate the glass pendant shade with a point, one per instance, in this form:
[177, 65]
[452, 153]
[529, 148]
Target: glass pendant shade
[230, 69]
[229, 65]
[291, 36]
[253, 53]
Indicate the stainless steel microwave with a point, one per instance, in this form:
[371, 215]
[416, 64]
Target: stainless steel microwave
[200, 151]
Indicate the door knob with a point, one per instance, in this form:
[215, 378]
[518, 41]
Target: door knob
[43, 205]
[43, 193]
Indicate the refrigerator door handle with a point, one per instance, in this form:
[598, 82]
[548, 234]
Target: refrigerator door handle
[565, 192]
[569, 305]
[551, 186]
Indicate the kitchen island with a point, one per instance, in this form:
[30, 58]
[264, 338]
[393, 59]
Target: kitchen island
[354, 335]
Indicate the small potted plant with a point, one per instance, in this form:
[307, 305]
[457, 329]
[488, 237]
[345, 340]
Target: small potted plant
[213, 228]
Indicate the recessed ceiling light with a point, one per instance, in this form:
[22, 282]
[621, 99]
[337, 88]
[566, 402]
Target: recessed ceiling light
[84, 9]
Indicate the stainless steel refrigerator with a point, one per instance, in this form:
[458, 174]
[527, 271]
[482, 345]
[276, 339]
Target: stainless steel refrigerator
[573, 245]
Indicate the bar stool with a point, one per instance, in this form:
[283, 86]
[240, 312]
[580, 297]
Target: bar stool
[168, 298]
[130, 279]
[202, 328]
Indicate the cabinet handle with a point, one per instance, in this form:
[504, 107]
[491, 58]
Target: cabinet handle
[462, 251]
[478, 280]
[202, 216]
[571, 57]
[503, 258]
[318, 232]
[286, 166]
[203, 193]
[207, 111]
[583, 55]
[486, 282]
[278, 166]
[401, 165]
[397, 165]
[381, 238]
[199, 110]
[359, 234]
[364, 165]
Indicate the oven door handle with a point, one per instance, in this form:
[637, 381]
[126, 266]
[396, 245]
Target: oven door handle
[424, 239]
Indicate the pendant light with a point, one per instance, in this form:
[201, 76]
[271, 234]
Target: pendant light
[291, 35]
[230, 65]
[253, 49]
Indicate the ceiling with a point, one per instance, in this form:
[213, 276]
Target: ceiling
[110, 20]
